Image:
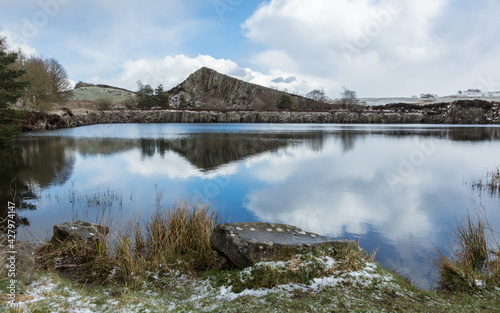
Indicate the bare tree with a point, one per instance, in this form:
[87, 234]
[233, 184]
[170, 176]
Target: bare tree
[349, 98]
[48, 80]
[36, 74]
[317, 95]
[58, 77]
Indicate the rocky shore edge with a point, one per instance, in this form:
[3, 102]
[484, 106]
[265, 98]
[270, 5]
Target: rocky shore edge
[452, 114]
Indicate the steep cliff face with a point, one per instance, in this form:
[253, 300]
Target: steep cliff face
[210, 89]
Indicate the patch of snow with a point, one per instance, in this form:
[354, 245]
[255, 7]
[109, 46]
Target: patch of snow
[365, 277]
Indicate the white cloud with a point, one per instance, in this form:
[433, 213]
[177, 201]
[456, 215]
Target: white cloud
[178, 167]
[328, 192]
[15, 45]
[172, 70]
[380, 48]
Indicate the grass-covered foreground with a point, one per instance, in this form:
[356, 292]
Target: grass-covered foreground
[156, 266]
[369, 289]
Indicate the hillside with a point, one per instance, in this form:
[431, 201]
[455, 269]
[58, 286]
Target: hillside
[87, 96]
[209, 89]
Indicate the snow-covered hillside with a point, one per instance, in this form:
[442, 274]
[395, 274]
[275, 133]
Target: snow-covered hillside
[487, 96]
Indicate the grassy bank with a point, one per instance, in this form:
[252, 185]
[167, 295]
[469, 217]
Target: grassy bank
[155, 265]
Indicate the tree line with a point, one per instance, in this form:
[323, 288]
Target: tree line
[31, 80]
[348, 100]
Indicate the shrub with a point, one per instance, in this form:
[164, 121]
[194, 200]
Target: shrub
[10, 124]
[104, 104]
[467, 104]
[81, 84]
[285, 102]
[130, 103]
[183, 102]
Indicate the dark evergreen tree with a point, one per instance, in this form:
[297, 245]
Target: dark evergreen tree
[10, 86]
[145, 96]
[149, 98]
[161, 97]
[285, 102]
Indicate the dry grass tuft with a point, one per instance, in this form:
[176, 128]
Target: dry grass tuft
[472, 264]
[490, 182]
[171, 239]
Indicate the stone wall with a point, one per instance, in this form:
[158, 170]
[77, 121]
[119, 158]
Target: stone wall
[63, 119]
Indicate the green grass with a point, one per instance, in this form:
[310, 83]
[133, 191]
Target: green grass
[180, 293]
[300, 269]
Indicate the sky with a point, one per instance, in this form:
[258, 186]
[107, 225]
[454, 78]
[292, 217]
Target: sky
[378, 48]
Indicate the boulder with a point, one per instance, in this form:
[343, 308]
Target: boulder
[244, 244]
[79, 231]
[23, 254]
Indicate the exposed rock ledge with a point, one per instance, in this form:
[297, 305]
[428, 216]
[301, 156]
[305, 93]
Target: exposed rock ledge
[244, 244]
[68, 119]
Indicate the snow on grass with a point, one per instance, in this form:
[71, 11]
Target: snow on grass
[365, 277]
[187, 291]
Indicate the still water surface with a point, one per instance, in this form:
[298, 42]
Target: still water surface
[398, 187]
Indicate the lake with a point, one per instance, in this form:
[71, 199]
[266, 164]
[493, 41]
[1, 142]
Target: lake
[395, 188]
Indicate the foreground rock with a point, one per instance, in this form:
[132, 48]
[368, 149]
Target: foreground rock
[79, 231]
[18, 258]
[244, 244]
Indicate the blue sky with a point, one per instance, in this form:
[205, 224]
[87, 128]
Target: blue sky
[378, 48]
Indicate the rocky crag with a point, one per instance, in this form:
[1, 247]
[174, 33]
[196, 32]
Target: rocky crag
[209, 89]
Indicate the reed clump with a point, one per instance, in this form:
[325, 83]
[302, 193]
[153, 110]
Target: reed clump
[172, 239]
[475, 261]
[490, 182]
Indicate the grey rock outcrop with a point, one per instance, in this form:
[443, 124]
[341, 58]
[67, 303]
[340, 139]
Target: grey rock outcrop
[244, 244]
[207, 88]
[79, 231]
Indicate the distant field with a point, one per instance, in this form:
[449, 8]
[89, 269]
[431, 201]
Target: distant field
[87, 97]
[487, 96]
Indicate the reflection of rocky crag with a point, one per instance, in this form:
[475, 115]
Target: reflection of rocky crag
[207, 88]
[211, 151]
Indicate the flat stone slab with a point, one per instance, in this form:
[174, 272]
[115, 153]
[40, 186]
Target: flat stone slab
[244, 244]
[79, 231]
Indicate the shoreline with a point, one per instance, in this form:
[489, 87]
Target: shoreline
[65, 118]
